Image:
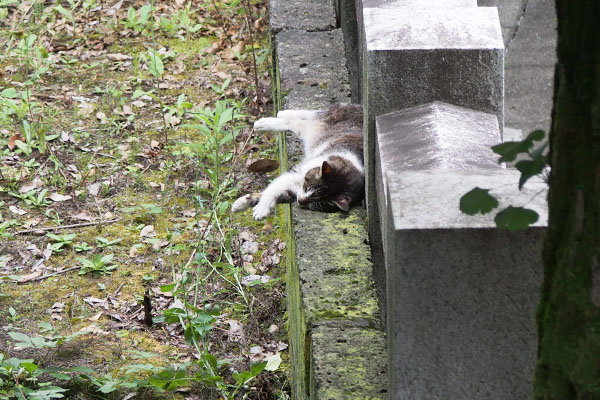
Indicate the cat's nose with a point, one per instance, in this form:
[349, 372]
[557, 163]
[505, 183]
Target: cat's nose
[303, 202]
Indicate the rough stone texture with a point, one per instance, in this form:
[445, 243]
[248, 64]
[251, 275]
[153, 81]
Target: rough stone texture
[331, 297]
[425, 4]
[529, 30]
[401, 29]
[346, 11]
[335, 275]
[459, 61]
[361, 348]
[530, 61]
[308, 15]
[353, 28]
[510, 15]
[461, 294]
[312, 69]
[435, 136]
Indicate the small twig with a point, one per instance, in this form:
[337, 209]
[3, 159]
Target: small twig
[118, 289]
[39, 278]
[56, 228]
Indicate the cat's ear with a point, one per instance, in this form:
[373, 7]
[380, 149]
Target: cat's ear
[342, 202]
[326, 170]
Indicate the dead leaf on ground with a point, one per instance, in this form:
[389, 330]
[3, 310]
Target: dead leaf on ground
[118, 57]
[57, 197]
[30, 277]
[34, 184]
[95, 317]
[93, 189]
[82, 216]
[30, 222]
[264, 165]
[85, 109]
[102, 117]
[13, 139]
[148, 231]
[16, 210]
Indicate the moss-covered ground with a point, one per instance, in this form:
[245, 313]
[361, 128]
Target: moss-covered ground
[125, 134]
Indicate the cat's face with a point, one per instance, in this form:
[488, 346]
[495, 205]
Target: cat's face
[334, 185]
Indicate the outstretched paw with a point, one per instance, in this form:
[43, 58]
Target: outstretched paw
[244, 202]
[270, 124]
[241, 204]
[262, 210]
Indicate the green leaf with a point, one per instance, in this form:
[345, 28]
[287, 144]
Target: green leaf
[478, 201]
[273, 362]
[515, 218]
[536, 135]
[109, 386]
[167, 288]
[244, 377]
[9, 93]
[509, 150]
[138, 93]
[22, 338]
[529, 168]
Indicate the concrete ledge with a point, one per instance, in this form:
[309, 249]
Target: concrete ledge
[312, 69]
[462, 294]
[308, 15]
[360, 376]
[336, 342]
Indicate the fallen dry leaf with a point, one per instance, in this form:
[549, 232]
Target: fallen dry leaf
[17, 210]
[57, 197]
[93, 188]
[82, 216]
[102, 117]
[30, 222]
[34, 184]
[29, 277]
[95, 317]
[85, 109]
[118, 57]
[148, 231]
[264, 165]
[13, 139]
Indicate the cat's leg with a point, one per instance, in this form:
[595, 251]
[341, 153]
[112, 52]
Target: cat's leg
[271, 124]
[298, 114]
[283, 187]
[246, 201]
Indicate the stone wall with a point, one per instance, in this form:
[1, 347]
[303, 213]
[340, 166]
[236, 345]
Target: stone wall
[336, 339]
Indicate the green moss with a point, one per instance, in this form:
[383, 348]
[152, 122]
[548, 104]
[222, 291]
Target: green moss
[189, 45]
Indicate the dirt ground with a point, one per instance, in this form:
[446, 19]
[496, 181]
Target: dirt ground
[125, 134]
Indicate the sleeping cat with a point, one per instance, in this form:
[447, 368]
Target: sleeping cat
[331, 175]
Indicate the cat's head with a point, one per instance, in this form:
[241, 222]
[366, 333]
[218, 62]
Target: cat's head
[335, 185]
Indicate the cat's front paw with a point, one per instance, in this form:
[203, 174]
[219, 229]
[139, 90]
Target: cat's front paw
[270, 124]
[262, 210]
[241, 203]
